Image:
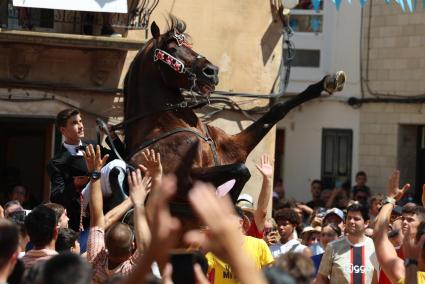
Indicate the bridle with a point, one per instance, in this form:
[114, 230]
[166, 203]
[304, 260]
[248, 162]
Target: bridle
[176, 64]
[162, 56]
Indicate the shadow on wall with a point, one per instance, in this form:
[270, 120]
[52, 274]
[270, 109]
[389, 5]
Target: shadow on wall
[273, 33]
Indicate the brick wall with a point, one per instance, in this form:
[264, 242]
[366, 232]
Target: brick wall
[380, 145]
[393, 56]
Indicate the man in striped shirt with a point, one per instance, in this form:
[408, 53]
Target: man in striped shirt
[348, 260]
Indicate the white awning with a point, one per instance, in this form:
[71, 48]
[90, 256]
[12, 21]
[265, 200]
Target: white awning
[108, 6]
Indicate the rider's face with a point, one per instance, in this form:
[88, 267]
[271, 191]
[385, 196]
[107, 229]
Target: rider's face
[73, 131]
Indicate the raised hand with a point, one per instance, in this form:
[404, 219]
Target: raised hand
[138, 187]
[223, 237]
[94, 159]
[164, 227]
[216, 213]
[266, 166]
[393, 189]
[152, 163]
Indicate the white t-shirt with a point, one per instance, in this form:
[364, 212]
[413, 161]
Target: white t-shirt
[344, 262]
[291, 246]
[316, 249]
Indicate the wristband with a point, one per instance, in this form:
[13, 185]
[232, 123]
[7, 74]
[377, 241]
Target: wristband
[388, 200]
[410, 261]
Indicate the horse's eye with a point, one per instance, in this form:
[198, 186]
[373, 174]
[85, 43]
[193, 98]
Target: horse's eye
[172, 50]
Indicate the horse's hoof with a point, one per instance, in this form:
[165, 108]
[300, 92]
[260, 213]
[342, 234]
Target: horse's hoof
[334, 83]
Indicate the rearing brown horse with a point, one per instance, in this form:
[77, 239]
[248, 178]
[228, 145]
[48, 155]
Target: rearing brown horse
[157, 117]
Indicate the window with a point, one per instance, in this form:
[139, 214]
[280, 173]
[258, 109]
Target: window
[336, 156]
[41, 19]
[309, 29]
[304, 19]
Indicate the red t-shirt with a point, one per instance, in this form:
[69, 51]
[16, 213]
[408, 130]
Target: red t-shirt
[254, 232]
[383, 279]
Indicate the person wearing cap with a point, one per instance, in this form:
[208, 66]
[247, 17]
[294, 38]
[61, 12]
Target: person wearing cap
[335, 216]
[311, 237]
[257, 217]
[349, 259]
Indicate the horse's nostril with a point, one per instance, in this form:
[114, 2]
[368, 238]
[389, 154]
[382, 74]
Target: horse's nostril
[208, 71]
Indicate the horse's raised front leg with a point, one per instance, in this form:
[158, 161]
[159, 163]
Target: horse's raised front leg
[251, 136]
[222, 177]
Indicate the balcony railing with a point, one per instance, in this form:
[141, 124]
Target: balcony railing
[75, 22]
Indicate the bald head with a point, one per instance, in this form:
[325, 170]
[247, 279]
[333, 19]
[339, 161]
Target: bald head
[119, 240]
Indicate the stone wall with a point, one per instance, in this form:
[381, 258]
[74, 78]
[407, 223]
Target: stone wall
[393, 54]
[380, 140]
[393, 64]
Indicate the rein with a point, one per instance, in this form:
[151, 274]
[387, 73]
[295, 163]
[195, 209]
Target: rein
[169, 107]
[178, 66]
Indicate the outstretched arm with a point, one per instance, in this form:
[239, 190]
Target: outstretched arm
[152, 166]
[116, 213]
[266, 170]
[224, 238]
[95, 162]
[138, 190]
[387, 256]
[164, 229]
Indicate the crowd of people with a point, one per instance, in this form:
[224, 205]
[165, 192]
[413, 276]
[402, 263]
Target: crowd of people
[88, 235]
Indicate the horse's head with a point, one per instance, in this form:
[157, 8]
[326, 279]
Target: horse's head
[180, 66]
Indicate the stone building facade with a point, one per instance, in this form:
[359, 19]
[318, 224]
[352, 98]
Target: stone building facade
[48, 69]
[392, 115]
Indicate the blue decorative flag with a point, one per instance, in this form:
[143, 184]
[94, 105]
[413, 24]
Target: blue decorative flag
[316, 4]
[401, 3]
[362, 3]
[410, 5]
[337, 3]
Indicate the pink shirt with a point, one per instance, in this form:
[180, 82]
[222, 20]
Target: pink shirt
[33, 256]
[97, 256]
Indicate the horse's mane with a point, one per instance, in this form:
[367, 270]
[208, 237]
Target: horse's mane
[174, 24]
[177, 25]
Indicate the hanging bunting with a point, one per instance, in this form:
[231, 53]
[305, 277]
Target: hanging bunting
[316, 4]
[401, 4]
[337, 3]
[362, 3]
[410, 5]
